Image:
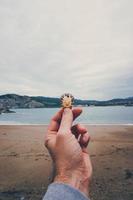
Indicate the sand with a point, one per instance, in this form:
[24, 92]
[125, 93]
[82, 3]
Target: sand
[25, 165]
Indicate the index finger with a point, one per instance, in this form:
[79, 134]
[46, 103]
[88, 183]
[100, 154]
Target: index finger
[55, 121]
[66, 121]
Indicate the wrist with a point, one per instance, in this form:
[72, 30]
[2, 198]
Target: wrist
[75, 180]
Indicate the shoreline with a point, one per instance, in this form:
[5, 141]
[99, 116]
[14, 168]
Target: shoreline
[87, 124]
[26, 167]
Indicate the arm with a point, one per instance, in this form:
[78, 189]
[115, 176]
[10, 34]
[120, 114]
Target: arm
[61, 191]
[67, 145]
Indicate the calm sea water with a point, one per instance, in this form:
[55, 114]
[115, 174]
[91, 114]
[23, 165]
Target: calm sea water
[90, 115]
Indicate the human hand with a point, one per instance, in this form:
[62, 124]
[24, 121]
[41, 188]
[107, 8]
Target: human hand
[67, 145]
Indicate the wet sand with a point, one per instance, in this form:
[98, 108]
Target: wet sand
[25, 165]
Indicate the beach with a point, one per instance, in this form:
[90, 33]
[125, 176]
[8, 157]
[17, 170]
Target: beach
[26, 167]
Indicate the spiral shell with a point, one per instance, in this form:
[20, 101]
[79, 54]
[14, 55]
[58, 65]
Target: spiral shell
[67, 100]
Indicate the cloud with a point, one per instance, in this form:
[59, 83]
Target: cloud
[50, 47]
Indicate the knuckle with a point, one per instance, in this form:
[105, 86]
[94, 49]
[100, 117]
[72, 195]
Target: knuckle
[46, 140]
[61, 135]
[88, 135]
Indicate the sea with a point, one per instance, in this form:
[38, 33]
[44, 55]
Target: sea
[90, 115]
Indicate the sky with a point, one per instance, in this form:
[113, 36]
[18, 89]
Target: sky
[50, 47]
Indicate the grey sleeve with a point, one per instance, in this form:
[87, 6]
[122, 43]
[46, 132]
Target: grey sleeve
[60, 191]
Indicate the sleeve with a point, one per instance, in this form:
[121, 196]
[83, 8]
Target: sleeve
[60, 191]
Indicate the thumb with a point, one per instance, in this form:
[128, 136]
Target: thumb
[66, 121]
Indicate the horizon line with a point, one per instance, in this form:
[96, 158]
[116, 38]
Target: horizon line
[59, 97]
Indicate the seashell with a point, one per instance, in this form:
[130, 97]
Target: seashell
[67, 100]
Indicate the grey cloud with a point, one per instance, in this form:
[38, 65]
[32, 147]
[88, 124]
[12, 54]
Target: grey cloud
[50, 47]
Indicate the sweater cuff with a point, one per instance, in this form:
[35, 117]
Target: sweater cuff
[61, 191]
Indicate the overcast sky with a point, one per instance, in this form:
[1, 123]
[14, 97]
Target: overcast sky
[85, 47]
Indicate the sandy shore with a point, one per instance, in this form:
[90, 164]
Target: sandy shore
[25, 165]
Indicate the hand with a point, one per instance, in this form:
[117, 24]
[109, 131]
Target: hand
[67, 145]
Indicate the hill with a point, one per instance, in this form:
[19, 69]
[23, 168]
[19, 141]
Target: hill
[10, 101]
